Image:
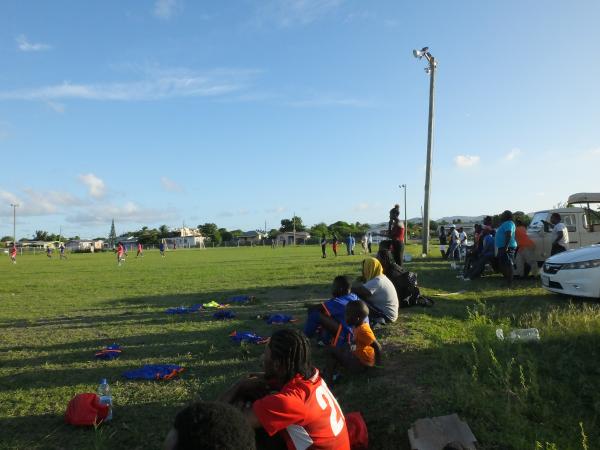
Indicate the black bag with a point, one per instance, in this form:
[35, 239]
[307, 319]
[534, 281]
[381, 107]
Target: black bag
[410, 294]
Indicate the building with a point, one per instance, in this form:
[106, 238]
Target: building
[80, 245]
[251, 237]
[188, 238]
[288, 237]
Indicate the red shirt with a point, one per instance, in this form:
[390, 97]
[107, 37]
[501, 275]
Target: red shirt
[13, 251]
[306, 413]
[120, 249]
[398, 233]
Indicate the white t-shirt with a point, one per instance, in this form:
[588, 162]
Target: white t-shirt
[384, 296]
[565, 237]
[454, 236]
[462, 236]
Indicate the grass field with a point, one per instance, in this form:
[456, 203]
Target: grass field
[55, 314]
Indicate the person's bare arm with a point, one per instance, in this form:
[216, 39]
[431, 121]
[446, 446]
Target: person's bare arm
[362, 292]
[378, 353]
[559, 236]
[251, 418]
[251, 384]
[507, 237]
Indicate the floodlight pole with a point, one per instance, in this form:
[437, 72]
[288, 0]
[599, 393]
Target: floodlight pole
[14, 207]
[405, 219]
[431, 70]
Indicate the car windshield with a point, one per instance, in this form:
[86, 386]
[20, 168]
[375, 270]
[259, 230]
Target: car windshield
[536, 222]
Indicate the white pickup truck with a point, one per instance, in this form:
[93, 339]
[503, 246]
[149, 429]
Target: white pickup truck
[582, 218]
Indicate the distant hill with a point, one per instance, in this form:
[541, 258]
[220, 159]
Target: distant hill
[450, 219]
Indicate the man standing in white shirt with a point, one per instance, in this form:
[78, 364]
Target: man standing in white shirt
[560, 235]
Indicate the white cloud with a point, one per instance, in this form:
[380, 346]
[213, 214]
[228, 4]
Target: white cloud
[170, 185]
[156, 86]
[464, 161]
[39, 203]
[276, 210]
[592, 154]
[56, 107]
[95, 185]
[328, 101]
[289, 13]
[129, 212]
[513, 154]
[165, 9]
[239, 212]
[4, 133]
[25, 46]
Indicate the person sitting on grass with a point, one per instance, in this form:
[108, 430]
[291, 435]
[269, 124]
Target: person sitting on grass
[330, 316]
[378, 293]
[366, 351]
[210, 426]
[485, 255]
[302, 413]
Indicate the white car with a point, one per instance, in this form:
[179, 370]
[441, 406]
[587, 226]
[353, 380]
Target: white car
[574, 272]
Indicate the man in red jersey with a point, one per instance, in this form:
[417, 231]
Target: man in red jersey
[302, 410]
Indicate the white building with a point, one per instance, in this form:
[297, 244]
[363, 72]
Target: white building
[80, 245]
[288, 237]
[251, 237]
[188, 237]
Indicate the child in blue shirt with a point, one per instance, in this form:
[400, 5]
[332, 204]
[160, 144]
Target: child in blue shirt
[330, 316]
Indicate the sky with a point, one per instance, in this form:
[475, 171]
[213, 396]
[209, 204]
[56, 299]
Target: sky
[241, 112]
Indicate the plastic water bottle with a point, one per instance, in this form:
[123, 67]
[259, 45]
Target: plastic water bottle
[105, 397]
[520, 335]
[524, 335]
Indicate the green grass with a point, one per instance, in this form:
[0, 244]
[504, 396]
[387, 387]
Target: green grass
[55, 314]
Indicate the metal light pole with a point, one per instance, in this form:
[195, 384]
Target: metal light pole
[14, 207]
[430, 69]
[405, 219]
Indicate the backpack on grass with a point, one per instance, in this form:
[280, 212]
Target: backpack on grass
[410, 294]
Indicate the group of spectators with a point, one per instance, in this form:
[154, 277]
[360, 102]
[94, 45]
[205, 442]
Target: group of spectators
[507, 249]
[289, 404]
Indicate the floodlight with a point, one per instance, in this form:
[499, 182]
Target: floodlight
[417, 54]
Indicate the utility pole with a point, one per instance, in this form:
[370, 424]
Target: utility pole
[14, 207]
[405, 216]
[294, 224]
[430, 69]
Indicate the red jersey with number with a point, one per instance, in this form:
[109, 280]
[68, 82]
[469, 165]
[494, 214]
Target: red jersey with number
[306, 413]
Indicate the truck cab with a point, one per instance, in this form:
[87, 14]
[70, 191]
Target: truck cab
[581, 217]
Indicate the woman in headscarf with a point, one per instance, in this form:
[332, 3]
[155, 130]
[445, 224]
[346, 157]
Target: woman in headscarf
[378, 292]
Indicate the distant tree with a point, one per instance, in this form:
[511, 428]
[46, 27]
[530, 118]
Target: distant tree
[456, 221]
[273, 233]
[226, 236]
[289, 224]
[163, 231]
[235, 234]
[433, 225]
[6, 239]
[211, 231]
[319, 229]
[40, 235]
[112, 235]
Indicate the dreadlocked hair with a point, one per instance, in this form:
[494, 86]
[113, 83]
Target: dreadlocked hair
[291, 350]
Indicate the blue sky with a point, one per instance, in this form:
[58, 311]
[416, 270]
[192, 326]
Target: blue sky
[238, 112]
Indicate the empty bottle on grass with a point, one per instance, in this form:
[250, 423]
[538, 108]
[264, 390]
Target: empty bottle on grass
[106, 397]
[520, 335]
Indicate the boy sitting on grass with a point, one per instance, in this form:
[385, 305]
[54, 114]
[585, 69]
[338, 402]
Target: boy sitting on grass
[330, 315]
[366, 351]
